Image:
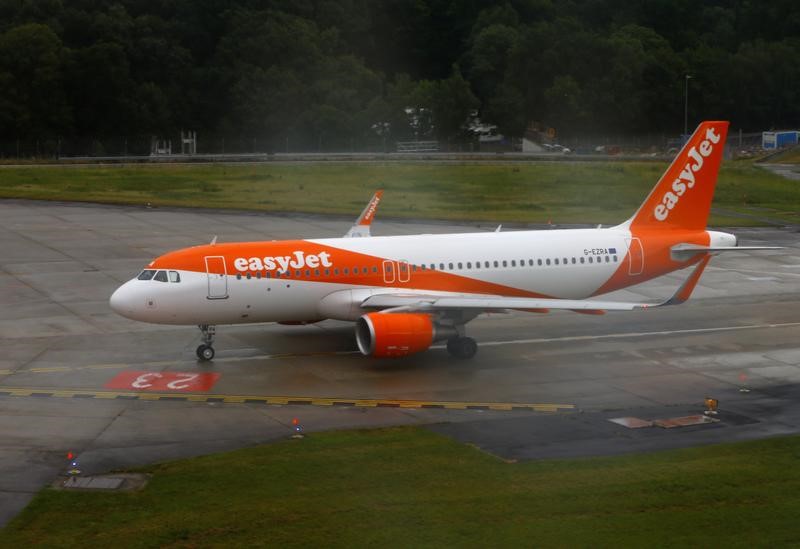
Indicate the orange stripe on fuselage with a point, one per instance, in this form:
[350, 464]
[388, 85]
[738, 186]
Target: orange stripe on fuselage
[656, 245]
[193, 259]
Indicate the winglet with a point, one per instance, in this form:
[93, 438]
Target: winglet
[361, 227]
[685, 291]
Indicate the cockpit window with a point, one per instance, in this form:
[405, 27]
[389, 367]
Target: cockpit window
[174, 276]
[146, 274]
[161, 276]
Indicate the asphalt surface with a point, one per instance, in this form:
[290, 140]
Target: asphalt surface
[541, 385]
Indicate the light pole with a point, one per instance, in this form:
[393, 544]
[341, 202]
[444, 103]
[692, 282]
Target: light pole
[686, 105]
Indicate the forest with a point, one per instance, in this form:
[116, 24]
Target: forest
[325, 74]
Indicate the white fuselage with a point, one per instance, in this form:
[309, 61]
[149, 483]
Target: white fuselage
[570, 264]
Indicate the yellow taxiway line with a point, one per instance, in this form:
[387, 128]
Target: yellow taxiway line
[280, 400]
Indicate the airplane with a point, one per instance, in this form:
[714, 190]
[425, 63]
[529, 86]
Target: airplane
[406, 292]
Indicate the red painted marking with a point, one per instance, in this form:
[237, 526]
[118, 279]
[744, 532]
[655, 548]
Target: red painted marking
[163, 381]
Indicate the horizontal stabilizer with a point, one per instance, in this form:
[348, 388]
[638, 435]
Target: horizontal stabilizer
[682, 252]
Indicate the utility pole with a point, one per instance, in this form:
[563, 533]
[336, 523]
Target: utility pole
[686, 106]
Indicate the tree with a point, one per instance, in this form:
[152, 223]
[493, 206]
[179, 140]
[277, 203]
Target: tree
[32, 101]
[453, 105]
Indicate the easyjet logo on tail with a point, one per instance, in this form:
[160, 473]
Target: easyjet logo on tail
[686, 179]
[369, 211]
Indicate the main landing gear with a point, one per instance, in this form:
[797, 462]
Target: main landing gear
[462, 347]
[205, 351]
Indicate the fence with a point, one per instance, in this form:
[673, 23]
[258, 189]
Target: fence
[55, 148]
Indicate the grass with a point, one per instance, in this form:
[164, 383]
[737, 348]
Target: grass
[534, 192]
[789, 156]
[407, 487]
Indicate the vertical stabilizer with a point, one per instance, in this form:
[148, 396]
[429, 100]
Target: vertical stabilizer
[682, 197]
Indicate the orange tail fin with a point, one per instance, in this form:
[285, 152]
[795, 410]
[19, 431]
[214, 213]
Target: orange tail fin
[682, 197]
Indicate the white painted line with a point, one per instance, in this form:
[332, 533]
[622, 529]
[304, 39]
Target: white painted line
[622, 335]
[633, 334]
[737, 270]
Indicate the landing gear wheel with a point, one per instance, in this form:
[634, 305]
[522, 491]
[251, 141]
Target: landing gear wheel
[205, 352]
[462, 347]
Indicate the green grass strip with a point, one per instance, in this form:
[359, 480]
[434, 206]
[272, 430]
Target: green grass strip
[528, 192]
[407, 487]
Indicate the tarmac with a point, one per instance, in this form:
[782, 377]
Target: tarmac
[75, 377]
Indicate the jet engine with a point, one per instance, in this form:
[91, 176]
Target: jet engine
[397, 334]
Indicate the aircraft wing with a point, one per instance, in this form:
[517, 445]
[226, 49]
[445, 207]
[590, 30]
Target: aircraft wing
[431, 302]
[362, 224]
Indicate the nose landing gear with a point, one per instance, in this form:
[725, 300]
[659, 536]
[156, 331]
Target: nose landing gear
[205, 351]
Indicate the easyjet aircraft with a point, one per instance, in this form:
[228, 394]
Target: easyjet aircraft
[406, 292]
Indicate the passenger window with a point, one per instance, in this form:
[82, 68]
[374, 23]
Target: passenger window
[161, 276]
[582, 260]
[374, 270]
[548, 262]
[539, 262]
[608, 259]
[573, 261]
[505, 263]
[513, 262]
[258, 275]
[496, 264]
[238, 276]
[565, 261]
[346, 270]
[249, 276]
[460, 266]
[477, 264]
[590, 259]
[174, 276]
[450, 266]
[555, 261]
[615, 259]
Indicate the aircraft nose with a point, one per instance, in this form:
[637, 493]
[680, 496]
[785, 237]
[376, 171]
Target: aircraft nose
[123, 301]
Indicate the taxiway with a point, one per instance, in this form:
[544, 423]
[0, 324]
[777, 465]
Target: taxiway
[540, 386]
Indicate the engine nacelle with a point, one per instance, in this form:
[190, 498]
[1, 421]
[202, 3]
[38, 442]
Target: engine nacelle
[394, 334]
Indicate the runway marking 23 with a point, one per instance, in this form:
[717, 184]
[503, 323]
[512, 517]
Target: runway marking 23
[164, 381]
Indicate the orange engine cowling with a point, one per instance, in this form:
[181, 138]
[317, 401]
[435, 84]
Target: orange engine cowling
[394, 334]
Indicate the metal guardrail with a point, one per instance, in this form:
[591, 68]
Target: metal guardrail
[417, 146]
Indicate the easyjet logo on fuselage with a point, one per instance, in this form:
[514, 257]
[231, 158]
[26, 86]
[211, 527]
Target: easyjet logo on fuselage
[686, 179]
[298, 260]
